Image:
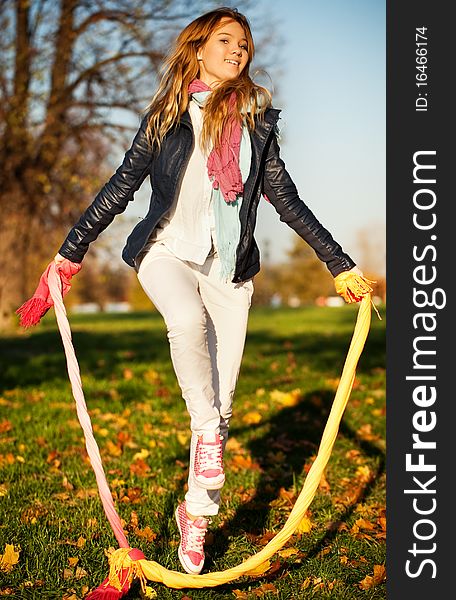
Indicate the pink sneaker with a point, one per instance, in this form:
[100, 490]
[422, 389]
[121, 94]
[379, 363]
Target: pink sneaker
[208, 463]
[191, 552]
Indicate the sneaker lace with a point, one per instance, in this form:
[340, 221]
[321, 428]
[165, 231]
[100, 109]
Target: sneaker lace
[195, 538]
[209, 457]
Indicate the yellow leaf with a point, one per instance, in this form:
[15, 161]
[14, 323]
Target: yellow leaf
[286, 398]
[148, 593]
[9, 558]
[73, 561]
[379, 573]
[128, 374]
[288, 552]
[81, 542]
[363, 524]
[80, 573]
[152, 376]
[113, 449]
[233, 445]
[146, 533]
[260, 569]
[141, 455]
[304, 526]
[379, 577]
[363, 473]
[183, 438]
[252, 418]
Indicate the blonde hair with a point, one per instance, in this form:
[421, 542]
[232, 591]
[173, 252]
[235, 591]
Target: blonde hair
[181, 67]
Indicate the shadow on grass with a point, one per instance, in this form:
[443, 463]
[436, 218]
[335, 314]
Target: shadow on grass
[39, 358]
[295, 432]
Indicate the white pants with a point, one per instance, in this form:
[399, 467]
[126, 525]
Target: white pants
[206, 321]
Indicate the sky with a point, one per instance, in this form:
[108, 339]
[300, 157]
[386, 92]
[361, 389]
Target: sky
[331, 90]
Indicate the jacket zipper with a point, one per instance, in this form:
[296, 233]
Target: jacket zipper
[236, 278]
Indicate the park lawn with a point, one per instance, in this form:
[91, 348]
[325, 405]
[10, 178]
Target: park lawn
[49, 507]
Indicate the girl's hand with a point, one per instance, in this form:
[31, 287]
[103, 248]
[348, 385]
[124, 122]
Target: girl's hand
[58, 258]
[357, 271]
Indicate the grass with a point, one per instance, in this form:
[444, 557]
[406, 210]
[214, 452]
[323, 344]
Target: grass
[48, 500]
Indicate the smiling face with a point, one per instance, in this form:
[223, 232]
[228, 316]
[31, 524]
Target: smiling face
[224, 55]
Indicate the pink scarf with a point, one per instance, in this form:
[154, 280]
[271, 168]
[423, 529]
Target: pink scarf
[31, 311]
[223, 161]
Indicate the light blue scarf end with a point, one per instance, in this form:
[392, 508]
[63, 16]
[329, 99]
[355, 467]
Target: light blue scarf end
[227, 221]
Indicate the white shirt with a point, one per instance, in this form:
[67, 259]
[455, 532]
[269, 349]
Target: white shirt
[188, 230]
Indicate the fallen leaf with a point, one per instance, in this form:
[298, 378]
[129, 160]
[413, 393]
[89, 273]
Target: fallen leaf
[80, 573]
[141, 455]
[365, 433]
[288, 552]
[148, 593]
[183, 437]
[363, 473]
[128, 374]
[146, 533]
[244, 462]
[306, 583]
[252, 418]
[378, 577]
[286, 398]
[324, 486]
[304, 526]
[362, 524]
[5, 426]
[233, 446]
[73, 561]
[266, 588]
[139, 467]
[9, 558]
[113, 449]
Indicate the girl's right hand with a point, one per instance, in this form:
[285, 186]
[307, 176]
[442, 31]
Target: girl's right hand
[58, 258]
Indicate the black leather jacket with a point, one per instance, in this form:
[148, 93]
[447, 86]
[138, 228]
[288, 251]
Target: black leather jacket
[166, 169]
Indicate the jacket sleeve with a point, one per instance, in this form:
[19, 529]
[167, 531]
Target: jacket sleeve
[112, 199]
[282, 193]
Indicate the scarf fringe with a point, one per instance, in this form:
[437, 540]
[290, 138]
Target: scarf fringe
[122, 572]
[353, 288]
[32, 311]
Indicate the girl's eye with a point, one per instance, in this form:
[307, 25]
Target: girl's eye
[242, 47]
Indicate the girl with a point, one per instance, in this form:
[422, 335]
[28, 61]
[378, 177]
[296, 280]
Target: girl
[208, 142]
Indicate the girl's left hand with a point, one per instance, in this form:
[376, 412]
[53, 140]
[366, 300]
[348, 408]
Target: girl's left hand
[357, 271]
